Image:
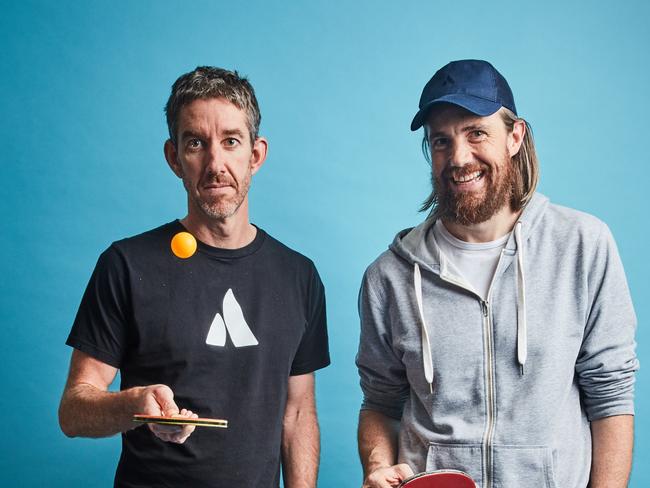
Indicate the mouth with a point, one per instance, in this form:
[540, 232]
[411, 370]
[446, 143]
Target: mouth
[217, 185]
[467, 180]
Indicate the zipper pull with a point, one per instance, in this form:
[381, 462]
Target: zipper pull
[484, 307]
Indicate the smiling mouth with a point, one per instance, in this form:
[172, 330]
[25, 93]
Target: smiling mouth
[467, 178]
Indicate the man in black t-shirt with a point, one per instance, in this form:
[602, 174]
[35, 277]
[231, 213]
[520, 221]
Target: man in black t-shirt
[234, 331]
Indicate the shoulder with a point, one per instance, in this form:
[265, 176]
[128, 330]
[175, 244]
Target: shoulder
[291, 267]
[579, 236]
[141, 248]
[387, 267]
[286, 255]
[570, 228]
[385, 262]
[562, 217]
[150, 239]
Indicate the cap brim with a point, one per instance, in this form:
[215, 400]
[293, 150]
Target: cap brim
[478, 106]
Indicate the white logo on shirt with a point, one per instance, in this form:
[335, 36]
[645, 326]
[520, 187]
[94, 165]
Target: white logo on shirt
[232, 321]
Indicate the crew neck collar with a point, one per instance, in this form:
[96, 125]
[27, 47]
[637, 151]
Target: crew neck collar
[468, 246]
[219, 252]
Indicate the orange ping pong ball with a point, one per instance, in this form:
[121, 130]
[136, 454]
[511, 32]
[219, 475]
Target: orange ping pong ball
[183, 245]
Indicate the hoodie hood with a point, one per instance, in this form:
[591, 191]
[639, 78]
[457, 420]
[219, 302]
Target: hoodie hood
[418, 246]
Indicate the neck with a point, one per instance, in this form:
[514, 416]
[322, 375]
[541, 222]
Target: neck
[232, 232]
[492, 229]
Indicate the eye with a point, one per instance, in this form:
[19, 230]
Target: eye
[439, 143]
[194, 144]
[231, 142]
[477, 135]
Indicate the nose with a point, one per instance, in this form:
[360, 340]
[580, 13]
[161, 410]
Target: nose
[460, 153]
[215, 159]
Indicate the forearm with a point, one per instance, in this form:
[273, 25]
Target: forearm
[300, 448]
[377, 441]
[612, 441]
[87, 411]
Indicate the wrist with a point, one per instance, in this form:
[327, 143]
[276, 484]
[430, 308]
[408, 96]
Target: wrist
[132, 402]
[371, 467]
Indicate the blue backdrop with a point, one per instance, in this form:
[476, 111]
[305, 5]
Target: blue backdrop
[82, 89]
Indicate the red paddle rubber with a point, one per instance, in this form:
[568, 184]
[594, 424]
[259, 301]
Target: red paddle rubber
[444, 478]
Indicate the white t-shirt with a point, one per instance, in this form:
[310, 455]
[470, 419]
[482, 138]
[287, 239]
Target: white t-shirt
[475, 262]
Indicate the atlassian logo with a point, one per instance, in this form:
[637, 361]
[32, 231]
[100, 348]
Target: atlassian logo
[233, 321]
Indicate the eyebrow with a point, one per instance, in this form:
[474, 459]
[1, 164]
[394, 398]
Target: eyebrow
[226, 132]
[189, 133]
[232, 132]
[470, 128]
[467, 128]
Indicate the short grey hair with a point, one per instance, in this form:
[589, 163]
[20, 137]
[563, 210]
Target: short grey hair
[210, 82]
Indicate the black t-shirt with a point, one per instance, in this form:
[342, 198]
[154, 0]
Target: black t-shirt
[224, 329]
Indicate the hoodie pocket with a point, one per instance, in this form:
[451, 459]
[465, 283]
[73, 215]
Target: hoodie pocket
[464, 457]
[522, 466]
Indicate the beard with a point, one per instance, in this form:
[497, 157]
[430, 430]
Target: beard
[474, 207]
[221, 207]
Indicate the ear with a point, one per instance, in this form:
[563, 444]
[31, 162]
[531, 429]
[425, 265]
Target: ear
[260, 148]
[172, 158]
[516, 137]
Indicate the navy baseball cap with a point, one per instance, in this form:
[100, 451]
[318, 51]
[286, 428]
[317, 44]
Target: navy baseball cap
[472, 84]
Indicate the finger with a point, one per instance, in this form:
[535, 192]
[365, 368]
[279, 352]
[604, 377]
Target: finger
[403, 471]
[182, 437]
[164, 396]
[166, 429]
[184, 413]
[379, 484]
[163, 437]
[382, 478]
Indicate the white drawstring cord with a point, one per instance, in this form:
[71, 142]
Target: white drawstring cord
[522, 334]
[426, 344]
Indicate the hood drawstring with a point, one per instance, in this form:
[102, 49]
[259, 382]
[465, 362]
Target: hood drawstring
[522, 334]
[426, 344]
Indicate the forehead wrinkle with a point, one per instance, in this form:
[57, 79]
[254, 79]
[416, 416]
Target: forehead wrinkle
[449, 122]
[195, 123]
[214, 118]
[187, 133]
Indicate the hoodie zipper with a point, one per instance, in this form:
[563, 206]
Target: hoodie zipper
[490, 394]
[490, 391]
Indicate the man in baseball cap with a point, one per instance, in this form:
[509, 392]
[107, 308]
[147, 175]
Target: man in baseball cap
[497, 337]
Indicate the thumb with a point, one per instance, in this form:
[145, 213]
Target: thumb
[165, 398]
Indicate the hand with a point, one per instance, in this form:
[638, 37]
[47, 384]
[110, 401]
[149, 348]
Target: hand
[159, 400]
[388, 477]
[174, 433]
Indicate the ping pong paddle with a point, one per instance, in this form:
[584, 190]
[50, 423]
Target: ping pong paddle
[157, 419]
[442, 478]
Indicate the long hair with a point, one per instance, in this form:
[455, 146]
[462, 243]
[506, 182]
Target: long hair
[525, 166]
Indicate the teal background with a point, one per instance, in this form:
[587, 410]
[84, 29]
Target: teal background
[82, 90]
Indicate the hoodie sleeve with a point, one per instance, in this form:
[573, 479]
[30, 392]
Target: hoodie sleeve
[607, 360]
[382, 373]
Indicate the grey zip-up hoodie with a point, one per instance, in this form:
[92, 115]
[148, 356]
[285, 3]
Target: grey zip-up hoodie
[502, 388]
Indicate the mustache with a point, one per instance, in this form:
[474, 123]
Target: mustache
[220, 180]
